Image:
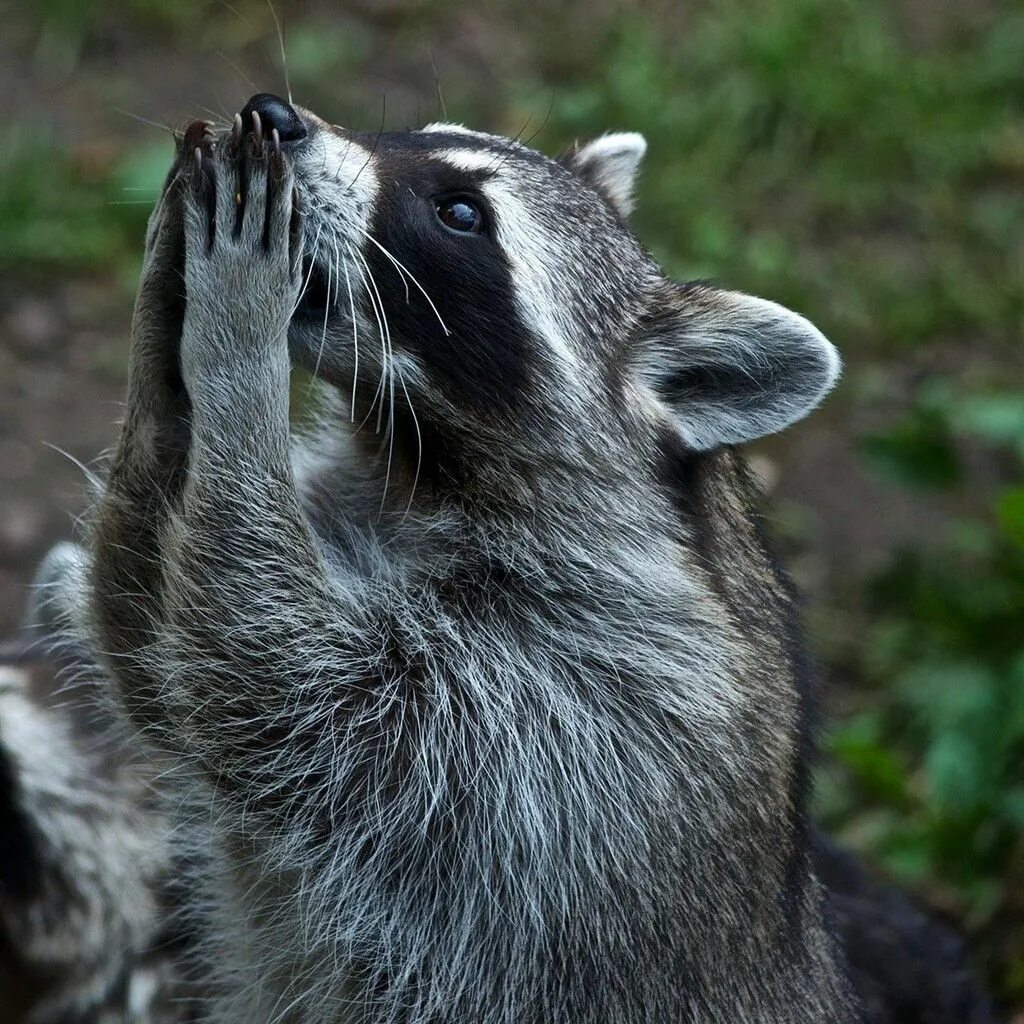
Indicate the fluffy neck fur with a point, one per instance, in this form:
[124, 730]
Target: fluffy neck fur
[573, 790]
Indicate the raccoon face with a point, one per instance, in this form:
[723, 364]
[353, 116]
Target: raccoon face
[496, 299]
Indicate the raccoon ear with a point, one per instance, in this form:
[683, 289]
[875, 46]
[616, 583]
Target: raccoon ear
[610, 165]
[733, 367]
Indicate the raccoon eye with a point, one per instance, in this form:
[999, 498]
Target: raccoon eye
[460, 215]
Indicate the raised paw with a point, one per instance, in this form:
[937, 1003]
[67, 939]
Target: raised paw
[242, 226]
[242, 275]
[154, 436]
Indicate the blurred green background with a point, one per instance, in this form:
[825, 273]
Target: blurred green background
[859, 160]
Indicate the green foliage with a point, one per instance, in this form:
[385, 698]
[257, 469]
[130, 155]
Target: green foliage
[804, 148]
[61, 210]
[41, 205]
[943, 661]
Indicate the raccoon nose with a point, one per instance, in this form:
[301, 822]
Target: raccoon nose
[274, 113]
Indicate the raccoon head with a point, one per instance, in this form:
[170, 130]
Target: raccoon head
[489, 310]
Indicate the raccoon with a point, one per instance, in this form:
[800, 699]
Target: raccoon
[484, 693]
[487, 683]
[84, 857]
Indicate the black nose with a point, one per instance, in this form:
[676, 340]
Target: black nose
[274, 113]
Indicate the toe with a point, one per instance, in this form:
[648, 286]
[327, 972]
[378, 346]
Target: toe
[231, 189]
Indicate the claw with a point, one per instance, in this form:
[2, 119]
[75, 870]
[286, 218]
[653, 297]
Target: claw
[257, 130]
[196, 136]
[295, 234]
[276, 156]
[236, 133]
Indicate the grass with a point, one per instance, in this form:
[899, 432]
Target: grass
[73, 212]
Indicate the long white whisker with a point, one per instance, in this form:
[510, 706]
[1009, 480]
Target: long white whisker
[312, 263]
[404, 269]
[391, 427]
[379, 393]
[403, 274]
[419, 441]
[280, 40]
[390, 375]
[355, 341]
[385, 335]
[391, 422]
[327, 313]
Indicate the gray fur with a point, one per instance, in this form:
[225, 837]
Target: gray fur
[509, 755]
[86, 853]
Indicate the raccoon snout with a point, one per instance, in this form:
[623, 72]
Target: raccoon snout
[274, 112]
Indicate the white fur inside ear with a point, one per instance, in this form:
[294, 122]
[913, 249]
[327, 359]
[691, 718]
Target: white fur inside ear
[734, 367]
[611, 163]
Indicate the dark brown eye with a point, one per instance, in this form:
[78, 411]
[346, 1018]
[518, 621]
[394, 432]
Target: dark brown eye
[460, 215]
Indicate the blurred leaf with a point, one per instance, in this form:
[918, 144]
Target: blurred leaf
[318, 49]
[1010, 513]
[1012, 807]
[915, 452]
[906, 857]
[955, 772]
[858, 745]
[997, 418]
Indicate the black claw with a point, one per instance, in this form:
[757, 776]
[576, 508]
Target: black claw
[295, 223]
[295, 236]
[241, 194]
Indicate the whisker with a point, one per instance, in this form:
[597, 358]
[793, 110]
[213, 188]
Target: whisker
[327, 313]
[401, 274]
[437, 86]
[389, 375]
[145, 120]
[280, 40]
[224, 57]
[513, 144]
[355, 342]
[380, 329]
[385, 335]
[516, 146]
[390, 429]
[404, 269]
[380, 132]
[235, 11]
[419, 441]
[543, 124]
[220, 116]
[305, 284]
